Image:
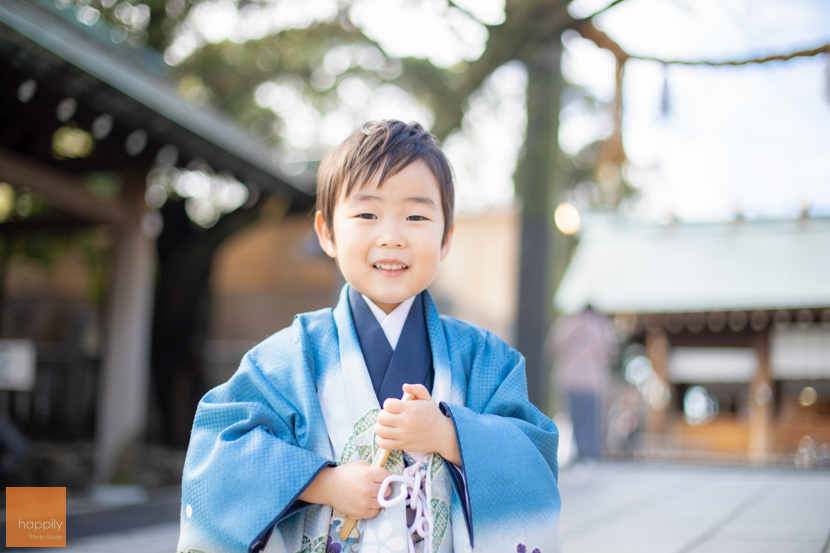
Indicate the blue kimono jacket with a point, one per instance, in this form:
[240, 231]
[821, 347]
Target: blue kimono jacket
[261, 438]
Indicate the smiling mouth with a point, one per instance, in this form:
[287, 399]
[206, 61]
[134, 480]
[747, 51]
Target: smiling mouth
[390, 266]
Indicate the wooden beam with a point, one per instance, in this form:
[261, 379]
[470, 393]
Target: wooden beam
[63, 191]
[657, 389]
[40, 224]
[760, 402]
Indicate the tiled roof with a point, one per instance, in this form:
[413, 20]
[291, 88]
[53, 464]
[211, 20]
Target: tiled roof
[146, 97]
[621, 267]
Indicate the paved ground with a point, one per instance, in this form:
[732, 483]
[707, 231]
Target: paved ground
[641, 508]
[140, 522]
[607, 508]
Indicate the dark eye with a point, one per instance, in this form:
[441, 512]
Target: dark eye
[416, 218]
[367, 216]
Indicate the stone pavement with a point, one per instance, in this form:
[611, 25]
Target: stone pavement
[607, 508]
[120, 519]
[160, 538]
[649, 508]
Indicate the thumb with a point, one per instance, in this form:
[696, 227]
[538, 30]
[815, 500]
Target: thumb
[418, 391]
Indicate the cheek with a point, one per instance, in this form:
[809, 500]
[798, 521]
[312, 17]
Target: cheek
[351, 239]
[433, 251]
[340, 230]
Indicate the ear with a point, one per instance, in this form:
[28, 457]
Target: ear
[445, 249]
[324, 235]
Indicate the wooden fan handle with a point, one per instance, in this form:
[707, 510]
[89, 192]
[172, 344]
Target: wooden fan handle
[380, 459]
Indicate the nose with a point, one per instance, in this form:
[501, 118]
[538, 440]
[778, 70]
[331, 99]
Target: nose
[391, 235]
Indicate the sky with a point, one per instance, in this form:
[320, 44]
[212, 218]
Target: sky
[750, 139]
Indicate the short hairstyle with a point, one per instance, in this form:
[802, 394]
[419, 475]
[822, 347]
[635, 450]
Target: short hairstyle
[382, 148]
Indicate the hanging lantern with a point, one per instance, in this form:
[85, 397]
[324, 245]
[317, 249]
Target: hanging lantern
[26, 90]
[135, 143]
[101, 126]
[66, 109]
[664, 98]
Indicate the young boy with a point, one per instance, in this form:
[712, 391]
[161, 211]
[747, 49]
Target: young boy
[279, 455]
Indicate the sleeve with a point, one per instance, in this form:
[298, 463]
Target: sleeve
[245, 467]
[508, 451]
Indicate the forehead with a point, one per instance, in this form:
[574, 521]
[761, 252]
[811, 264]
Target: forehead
[416, 178]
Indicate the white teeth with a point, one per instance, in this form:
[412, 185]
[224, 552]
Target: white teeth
[389, 266]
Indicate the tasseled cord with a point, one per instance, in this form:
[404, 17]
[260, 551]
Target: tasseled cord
[412, 480]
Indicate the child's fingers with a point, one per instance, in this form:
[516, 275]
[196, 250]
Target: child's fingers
[394, 406]
[379, 474]
[388, 418]
[358, 488]
[370, 512]
[389, 444]
[388, 437]
[386, 433]
[418, 391]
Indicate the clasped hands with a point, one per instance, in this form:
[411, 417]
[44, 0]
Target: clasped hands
[417, 425]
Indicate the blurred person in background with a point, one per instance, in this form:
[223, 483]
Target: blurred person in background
[581, 347]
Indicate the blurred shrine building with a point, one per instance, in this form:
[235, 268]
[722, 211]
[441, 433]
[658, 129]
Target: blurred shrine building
[85, 123]
[732, 322]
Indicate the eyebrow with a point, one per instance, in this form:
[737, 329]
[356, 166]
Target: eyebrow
[424, 200]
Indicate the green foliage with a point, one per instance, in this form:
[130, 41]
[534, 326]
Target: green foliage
[95, 247]
[40, 247]
[16, 205]
[47, 249]
[233, 72]
[39, 234]
[139, 22]
[105, 186]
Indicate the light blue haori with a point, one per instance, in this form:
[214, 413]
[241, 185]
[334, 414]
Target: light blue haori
[303, 400]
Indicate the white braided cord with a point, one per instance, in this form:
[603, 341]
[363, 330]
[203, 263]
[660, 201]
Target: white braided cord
[412, 489]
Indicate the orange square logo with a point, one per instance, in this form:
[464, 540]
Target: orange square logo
[35, 517]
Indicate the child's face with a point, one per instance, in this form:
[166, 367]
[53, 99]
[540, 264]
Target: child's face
[387, 240]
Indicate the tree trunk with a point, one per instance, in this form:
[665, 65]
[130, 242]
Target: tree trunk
[537, 181]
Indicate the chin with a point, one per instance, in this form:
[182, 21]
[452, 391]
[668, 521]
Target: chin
[394, 300]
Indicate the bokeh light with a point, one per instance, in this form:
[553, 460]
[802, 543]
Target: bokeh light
[567, 218]
[71, 142]
[808, 396]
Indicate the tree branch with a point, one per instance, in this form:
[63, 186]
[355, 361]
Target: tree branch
[776, 57]
[587, 30]
[605, 9]
[528, 24]
[455, 5]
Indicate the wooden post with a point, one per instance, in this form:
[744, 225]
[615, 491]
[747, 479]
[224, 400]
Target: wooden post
[122, 391]
[657, 392]
[760, 401]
